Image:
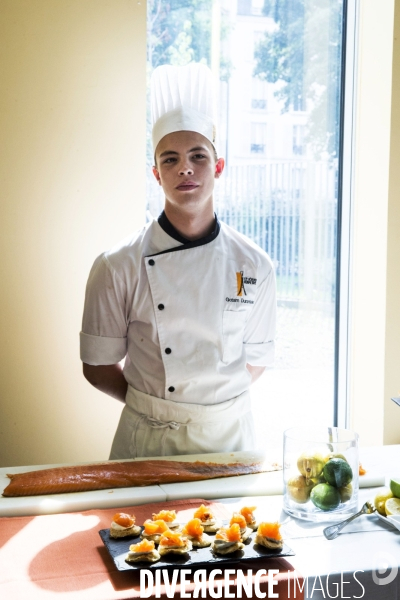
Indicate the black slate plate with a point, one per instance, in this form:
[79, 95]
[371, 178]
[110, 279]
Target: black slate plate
[196, 558]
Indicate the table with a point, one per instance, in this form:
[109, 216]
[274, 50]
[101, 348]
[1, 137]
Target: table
[347, 567]
[62, 556]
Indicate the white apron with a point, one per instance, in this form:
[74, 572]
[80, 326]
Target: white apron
[152, 426]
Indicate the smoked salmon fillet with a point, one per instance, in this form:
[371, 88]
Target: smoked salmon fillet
[101, 476]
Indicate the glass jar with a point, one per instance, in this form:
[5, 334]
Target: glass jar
[320, 473]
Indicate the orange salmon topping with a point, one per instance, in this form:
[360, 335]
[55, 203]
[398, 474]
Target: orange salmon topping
[165, 515]
[231, 534]
[193, 528]
[361, 470]
[247, 512]
[239, 519]
[124, 519]
[203, 513]
[143, 546]
[152, 527]
[171, 538]
[270, 530]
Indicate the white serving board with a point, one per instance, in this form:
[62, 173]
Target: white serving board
[132, 496]
[260, 484]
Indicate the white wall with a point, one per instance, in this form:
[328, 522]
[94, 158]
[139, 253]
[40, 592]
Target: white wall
[72, 125]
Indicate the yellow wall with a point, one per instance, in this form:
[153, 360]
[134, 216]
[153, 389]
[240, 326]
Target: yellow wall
[392, 353]
[72, 160]
[374, 333]
[369, 232]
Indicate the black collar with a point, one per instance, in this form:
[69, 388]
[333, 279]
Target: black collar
[167, 226]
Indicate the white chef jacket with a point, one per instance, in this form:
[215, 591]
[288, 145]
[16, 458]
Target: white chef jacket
[186, 315]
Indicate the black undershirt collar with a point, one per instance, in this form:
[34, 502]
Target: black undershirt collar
[167, 226]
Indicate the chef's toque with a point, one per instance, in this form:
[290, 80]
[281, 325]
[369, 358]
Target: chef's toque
[182, 99]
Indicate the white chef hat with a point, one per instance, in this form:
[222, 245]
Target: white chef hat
[182, 99]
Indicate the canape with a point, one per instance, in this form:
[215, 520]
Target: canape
[245, 531]
[153, 530]
[227, 540]
[143, 551]
[269, 535]
[195, 533]
[247, 512]
[208, 521]
[173, 542]
[123, 525]
[169, 516]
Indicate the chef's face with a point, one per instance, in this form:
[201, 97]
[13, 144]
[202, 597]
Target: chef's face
[186, 167]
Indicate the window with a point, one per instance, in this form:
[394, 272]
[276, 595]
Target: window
[257, 7]
[250, 7]
[258, 138]
[299, 103]
[281, 185]
[258, 94]
[244, 7]
[298, 139]
[257, 37]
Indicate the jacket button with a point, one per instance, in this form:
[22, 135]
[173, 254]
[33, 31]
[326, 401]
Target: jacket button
[151, 262]
[160, 307]
[168, 350]
[171, 388]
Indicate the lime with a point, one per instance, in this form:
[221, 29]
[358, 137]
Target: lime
[380, 500]
[345, 492]
[310, 464]
[338, 472]
[299, 489]
[395, 487]
[392, 506]
[325, 496]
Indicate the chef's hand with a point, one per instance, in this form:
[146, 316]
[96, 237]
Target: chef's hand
[255, 372]
[108, 379]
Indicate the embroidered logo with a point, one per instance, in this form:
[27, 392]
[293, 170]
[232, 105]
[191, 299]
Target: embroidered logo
[241, 280]
[240, 284]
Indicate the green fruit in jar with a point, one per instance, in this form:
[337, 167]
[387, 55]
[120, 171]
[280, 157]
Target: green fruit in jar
[345, 492]
[325, 496]
[337, 472]
[310, 464]
[299, 489]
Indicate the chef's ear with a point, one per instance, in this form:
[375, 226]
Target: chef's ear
[219, 167]
[157, 175]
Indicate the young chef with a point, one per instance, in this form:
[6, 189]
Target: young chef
[188, 302]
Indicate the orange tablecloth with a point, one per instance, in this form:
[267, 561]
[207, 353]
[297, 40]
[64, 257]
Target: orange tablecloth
[62, 556]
